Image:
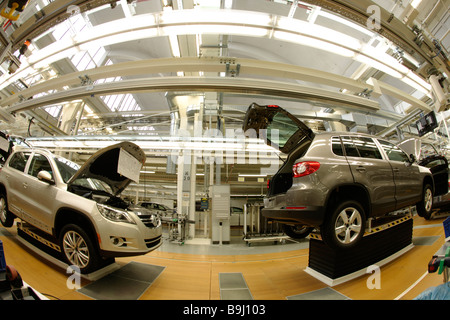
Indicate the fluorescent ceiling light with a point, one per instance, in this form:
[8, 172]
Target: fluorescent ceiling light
[345, 22]
[220, 16]
[312, 42]
[384, 58]
[419, 80]
[414, 85]
[316, 31]
[228, 4]
[415, 3]
[377, 65]
[157, 143]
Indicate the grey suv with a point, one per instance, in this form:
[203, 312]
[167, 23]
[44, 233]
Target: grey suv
[79, 208]
[335, 181]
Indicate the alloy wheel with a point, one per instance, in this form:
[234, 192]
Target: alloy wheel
[76, 249]
[348, 225]
[428, 199]
[3, 211]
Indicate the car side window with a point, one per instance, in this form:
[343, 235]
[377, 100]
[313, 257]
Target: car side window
[435, 163]
[19, 160]
[350, 149]
[361, 147]
[336, 146]
[39, 163]
[393, 152]
[367, 147]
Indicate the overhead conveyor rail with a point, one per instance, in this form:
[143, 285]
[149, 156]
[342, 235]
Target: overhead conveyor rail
[392, 28]
[243, 84]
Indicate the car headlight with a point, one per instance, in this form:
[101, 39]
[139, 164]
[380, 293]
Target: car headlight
[114, 214]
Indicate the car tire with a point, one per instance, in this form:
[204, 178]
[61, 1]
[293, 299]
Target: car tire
[6, 217]
[425, 206]
[344, 226]
[297, 231]
[78, 249]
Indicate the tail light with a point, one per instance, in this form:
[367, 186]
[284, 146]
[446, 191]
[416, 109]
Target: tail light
[305, 168]
[268, 183]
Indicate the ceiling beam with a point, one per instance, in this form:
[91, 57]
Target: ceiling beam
[201, 84]
[194, 64]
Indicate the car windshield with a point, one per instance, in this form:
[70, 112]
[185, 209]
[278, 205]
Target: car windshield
[68, 168]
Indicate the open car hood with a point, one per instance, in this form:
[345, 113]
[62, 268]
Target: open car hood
[276, 126]
[116, 165]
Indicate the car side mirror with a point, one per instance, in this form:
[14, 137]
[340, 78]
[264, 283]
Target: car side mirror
[46, 177]
[412, 158]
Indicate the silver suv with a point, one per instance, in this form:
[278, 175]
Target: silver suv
[335, 181]
[79, 207]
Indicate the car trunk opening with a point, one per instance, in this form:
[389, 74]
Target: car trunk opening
[282, 180]
[284, 132]
[276, 126]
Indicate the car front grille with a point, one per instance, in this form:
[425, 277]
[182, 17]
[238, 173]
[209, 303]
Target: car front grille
[150, 243]
[150, 221]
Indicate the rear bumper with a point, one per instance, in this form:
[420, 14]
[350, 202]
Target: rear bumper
[311, 216]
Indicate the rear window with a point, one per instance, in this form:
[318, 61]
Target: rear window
[281, 129]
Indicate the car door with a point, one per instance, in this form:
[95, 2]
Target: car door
[438, 166]
[369, 169]
[408, 185]
[16, 177]
[39, 195]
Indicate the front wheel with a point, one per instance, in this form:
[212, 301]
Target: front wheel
[6, 217]
[345, 226]
[78, 249]
[297, 231]
[425, 206]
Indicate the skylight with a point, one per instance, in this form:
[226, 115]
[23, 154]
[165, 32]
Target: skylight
[54, 111]
[121, 102]
[118, 102]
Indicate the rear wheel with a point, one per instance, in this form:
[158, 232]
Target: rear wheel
[345, 226]
[297, 231]
[425, 206]
[6, 217]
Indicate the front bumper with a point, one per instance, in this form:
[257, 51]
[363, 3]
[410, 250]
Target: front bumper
[119, 239]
